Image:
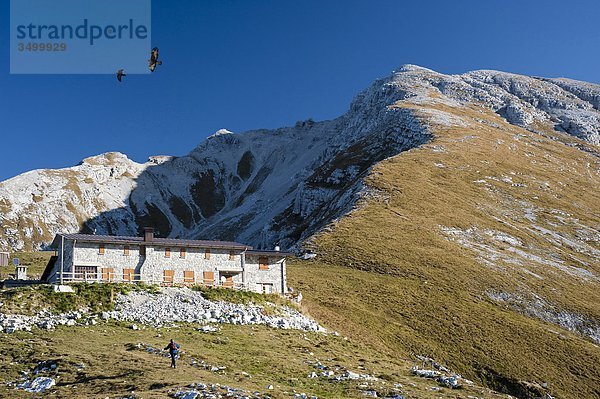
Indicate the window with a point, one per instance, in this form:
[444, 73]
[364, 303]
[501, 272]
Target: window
[168, 277]
[126, 250]
[209, 278]
[231, 255]
[266, 288]
[128, 274]
[188, 277]
[182, 253]
[207, 253]
[142, 250]
[86, 273]
[167, 252]
[101, 249]
[108, 274]
[263, 263]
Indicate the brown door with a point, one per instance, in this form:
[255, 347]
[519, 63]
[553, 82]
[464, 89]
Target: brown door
[168, 277]
[188, 277]
[128, 274]
[228, 283]
[209, 278]
[108, 274]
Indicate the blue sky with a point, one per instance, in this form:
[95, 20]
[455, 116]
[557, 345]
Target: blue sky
[248, 64]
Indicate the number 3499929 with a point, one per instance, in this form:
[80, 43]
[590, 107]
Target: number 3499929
[42, 46]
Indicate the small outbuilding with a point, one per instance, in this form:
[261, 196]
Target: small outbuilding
[4, 259]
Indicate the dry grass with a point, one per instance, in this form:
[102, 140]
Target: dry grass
[115, 367]
[387, 275]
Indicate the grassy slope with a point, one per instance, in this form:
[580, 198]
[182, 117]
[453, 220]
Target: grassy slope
[114, 367]
[35, 261]
[387, 275]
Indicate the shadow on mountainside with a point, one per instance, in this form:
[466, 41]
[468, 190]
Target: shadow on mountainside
[236, 187]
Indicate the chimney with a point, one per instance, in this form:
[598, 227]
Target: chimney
[148, 234]
[277, 248]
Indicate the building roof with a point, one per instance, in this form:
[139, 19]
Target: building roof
[155, 241]
[260, 252]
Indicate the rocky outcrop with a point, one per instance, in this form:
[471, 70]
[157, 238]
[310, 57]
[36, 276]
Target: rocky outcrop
[170, 306]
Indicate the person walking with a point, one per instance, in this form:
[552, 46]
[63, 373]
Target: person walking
[173, 348]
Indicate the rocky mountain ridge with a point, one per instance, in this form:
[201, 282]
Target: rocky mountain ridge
[268, 187]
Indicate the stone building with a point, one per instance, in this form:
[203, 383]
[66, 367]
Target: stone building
[165, 261]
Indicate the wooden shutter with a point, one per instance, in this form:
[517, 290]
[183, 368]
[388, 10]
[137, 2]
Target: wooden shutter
[263, 263]
[128, 274]
[101, 249]
[167, 252]
[108, 274]
[231, 255]
[182, 253]
[209, 278]
[188, 277]
[207, 253]
[168, 277]
[126, 250]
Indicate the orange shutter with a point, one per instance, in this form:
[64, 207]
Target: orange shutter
[188, 277]
[182, 253]
[101, 249]
[128, 274]
[168, 277]
[207, 253]
[209, 278]
[263, 263]
[126, 250]
[108, 274]
[167, 252]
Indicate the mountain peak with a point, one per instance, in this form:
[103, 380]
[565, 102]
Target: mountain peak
[220, 132]
[107, 158]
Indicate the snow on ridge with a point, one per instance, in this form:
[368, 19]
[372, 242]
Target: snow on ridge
[220, 132]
